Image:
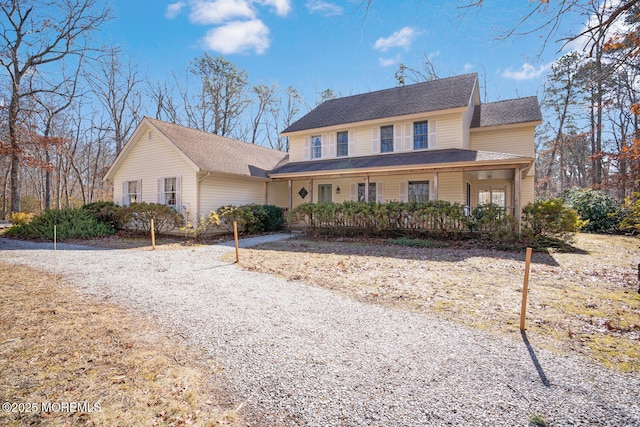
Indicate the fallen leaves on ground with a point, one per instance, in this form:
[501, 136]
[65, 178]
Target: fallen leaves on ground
[59, 347]
[586, 301]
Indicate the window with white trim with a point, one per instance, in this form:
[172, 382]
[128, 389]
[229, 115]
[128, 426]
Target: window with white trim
[495, 195]
[316, 147]
[343, 144]
[325, 193]
[169, 192]
[131, 192]
[418, 191]
[421, 135]
[386, 139]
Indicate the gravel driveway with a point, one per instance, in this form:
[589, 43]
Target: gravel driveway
[299, 355]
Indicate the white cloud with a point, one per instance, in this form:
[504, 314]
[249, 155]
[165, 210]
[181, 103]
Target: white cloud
[324, 8]
[401, 38]
[584, 43]
[174, 9]
[387, 62]
[238, 37]
[219, 11]
[527, 72]
[468, 66]
[282, 7]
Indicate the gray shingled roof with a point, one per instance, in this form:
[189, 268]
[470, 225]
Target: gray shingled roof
[213, 153]
[442, 94]
[512, 111]
[418, 158]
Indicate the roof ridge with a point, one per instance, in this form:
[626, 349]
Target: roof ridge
[509, 100]
[212, 135]
[400, 87]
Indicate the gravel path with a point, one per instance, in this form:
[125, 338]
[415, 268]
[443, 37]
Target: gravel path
[299, 355]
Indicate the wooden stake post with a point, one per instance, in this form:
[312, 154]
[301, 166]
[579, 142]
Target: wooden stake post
[55, 237]
[525, 289]
[235, 238]
[153, 235]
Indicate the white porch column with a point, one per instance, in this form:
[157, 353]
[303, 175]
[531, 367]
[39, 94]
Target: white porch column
[435, 186]
[517, 211]
[290, 195]
[366, 188]
[311, 190]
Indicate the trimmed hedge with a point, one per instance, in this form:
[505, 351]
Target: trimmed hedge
[71, 223]
[138, 216]
[551, 218]
[440, 218]
[253, 218]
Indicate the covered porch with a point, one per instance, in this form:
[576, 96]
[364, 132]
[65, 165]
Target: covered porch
[470, 178]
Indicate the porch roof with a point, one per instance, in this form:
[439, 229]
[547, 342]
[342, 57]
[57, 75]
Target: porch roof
[428, 159]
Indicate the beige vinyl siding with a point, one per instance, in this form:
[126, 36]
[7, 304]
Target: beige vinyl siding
[296, 149]
[518, 140]
[151, 158]
[219, 190]
[514, 141]
[467, 117]
[449, 131]
[296, 186]
[451, 187]
[278, 194]
[527, 192]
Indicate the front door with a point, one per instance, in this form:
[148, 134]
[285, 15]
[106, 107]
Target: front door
[324, 193]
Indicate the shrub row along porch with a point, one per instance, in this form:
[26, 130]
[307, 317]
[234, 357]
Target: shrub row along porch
[434, 217]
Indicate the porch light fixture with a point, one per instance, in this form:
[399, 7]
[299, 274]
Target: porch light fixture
[337, 190]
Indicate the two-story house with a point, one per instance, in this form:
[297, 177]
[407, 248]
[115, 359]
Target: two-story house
[426, 141]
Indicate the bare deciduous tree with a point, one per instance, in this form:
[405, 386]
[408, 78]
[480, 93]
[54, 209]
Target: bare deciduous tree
[33, 34]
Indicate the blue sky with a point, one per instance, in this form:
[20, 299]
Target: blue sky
[313, 45]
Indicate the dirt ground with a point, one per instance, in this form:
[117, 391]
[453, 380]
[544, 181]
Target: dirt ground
[109, 367]
[586, 301]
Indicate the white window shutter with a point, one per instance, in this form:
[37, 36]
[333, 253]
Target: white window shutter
[354, 192]
[160, 194]
[397, 138]
[333, 142]
[404, 189]
[307, 148]
[375, 139]
[380, 192]
[408, 136]
[125, 193]
[179, 193]
[433, 136]
[139, 189]
[352, 143]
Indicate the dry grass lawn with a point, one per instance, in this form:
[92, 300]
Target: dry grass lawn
[57, 346]
[586, 301]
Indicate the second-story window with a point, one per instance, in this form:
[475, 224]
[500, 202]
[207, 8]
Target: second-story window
[316, 147]
[386, 139]
[343, 144]
[421, 135]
